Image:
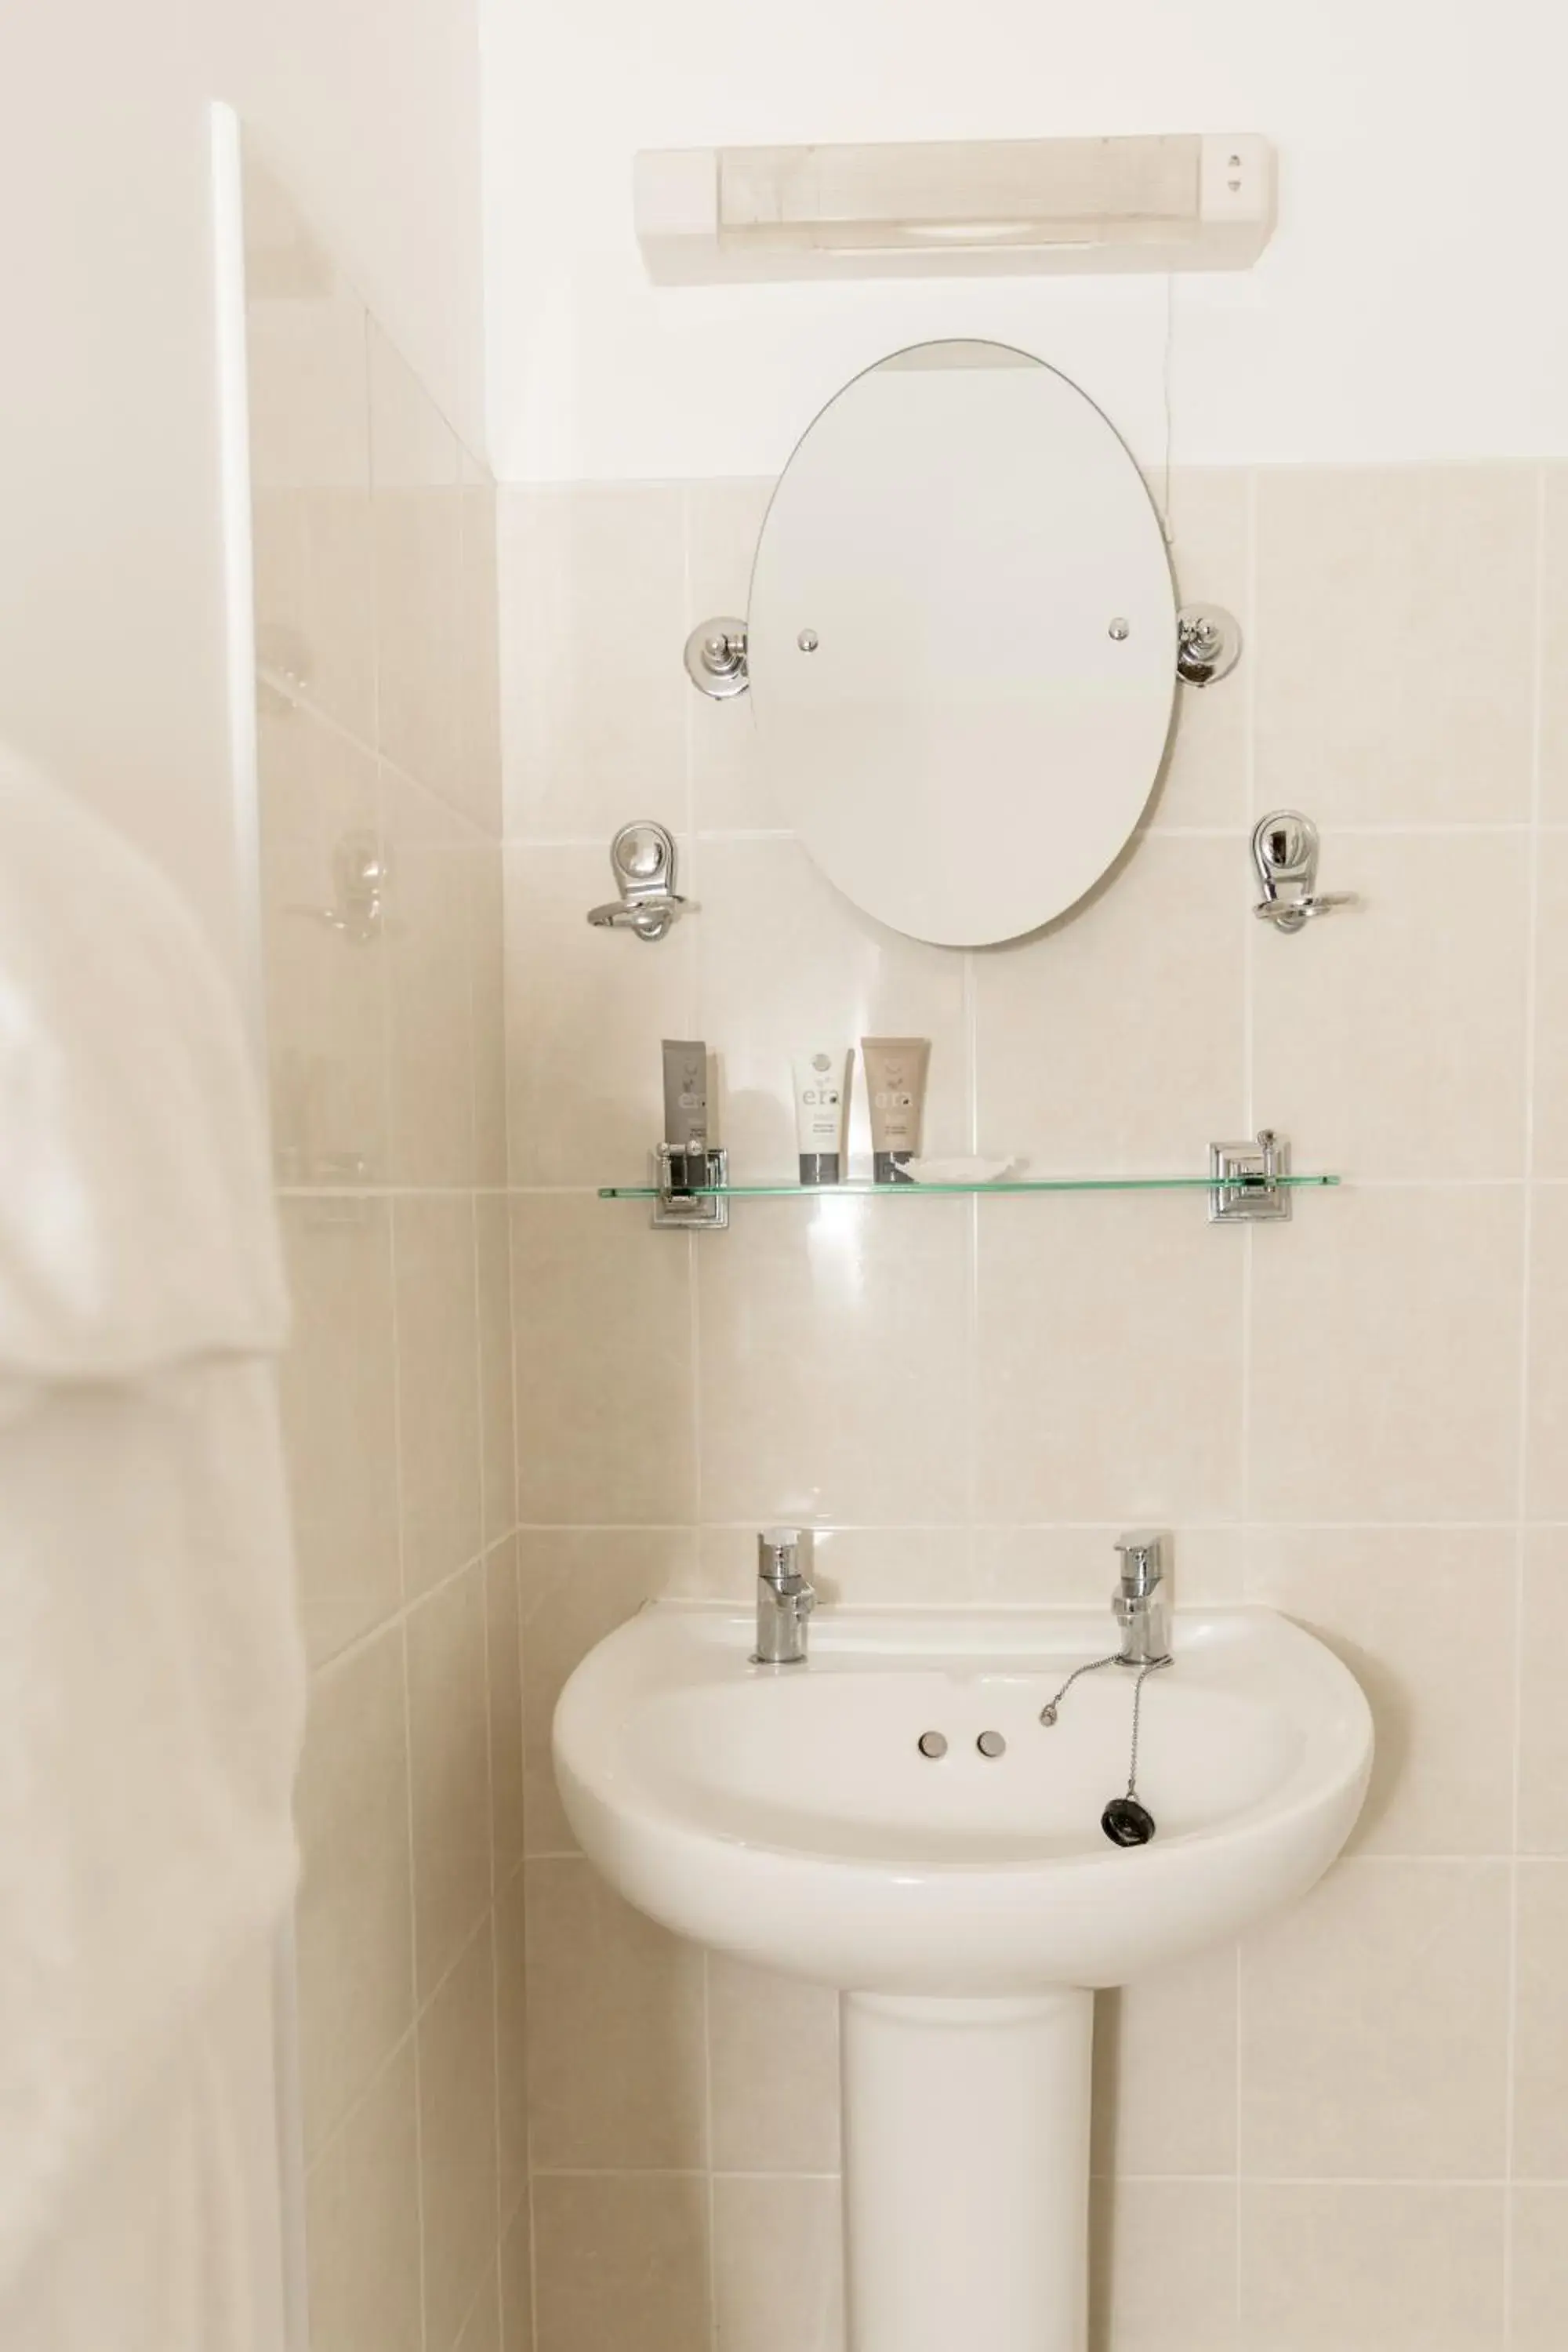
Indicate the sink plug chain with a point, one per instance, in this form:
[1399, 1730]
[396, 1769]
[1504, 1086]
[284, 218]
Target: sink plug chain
[1124, 1821]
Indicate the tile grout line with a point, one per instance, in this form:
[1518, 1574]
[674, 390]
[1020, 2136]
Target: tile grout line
[1248, 1275]
[696, 984]
[971, 1303]
[397, 1414]
[1533, 923]
[401, 1616]
[510, 1146]
[493, 1916]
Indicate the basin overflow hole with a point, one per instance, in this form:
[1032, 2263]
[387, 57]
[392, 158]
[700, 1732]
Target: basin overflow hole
[991, 1743]
[931, 1743]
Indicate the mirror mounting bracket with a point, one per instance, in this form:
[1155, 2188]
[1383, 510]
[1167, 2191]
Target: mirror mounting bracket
[715, 658]
[1209, 644]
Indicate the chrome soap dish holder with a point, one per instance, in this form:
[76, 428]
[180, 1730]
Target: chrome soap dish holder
[642, 859]
[1285, 856]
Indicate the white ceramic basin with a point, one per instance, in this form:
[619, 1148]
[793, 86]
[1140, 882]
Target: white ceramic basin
[964, 1904]
[789, 1815]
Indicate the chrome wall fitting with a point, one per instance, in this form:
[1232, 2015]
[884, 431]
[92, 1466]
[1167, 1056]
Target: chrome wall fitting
[361, 871]
[685, 1202]
[642, 859]
[1285, 857]
[1243, 1186]
[1209, 644]
[716, 658]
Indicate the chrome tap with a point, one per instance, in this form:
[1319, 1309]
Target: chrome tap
[1139, 1601]
[784, 1599]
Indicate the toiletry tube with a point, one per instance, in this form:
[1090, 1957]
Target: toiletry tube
[896, 1071]
[685, 1105]
[822, 1082]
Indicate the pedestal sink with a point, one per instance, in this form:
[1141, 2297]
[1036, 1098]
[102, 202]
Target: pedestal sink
[965, 1902]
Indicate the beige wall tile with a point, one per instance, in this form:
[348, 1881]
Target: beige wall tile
[1546, 1484]
[492, 1245]
[1439, 1675]
[438, 1382]
[354, 1919]
[1204, 780]
[1544, 1719]
[1374, 2023]
[313, 558]
[859, 1565]
[1076, 1568]
[511, 2040]
[419, 601]
[576, 1586]
[361, 2223]
[1554, 647]
[1386, 1351]
[309, 458]
[339, 1394]
[503, 1661]
[772, 2045]
[584, 570]
[1393, 1043]
[778, 2266]
[486, 982]
[326, 992]
[1165, 2070]
[517, 2283]
[1162, 2267]
[832, 1374]
[616, 2064]
[1541, 2045]
[1539, 2278]
[1108, 1373]
[588, 1010]
[1550, 1138]
[429, 953]
[723, 523]
[1387, 558]
[450, 1747]
[482, 2332]
[1371, 2270]
[1159, 1070]
[458, 2141]
[622, 2261]
[786, 965]
[602, 1315]
[478, 649]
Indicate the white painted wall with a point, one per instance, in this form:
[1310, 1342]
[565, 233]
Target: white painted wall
[1413, 304]
[111, 621]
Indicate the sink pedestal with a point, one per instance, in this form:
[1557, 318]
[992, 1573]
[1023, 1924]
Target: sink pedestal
[966, 2171]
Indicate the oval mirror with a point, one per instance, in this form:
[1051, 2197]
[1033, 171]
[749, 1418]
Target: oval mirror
[962, 643]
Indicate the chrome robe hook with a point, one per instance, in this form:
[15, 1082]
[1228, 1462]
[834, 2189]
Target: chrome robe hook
[1285, 855]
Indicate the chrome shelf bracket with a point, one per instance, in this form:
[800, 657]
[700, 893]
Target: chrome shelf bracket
[684, 1203]
[1244, 1188]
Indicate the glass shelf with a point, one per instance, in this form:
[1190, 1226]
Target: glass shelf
[863, 1190]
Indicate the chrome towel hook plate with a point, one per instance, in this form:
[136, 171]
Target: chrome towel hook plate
[642, 859]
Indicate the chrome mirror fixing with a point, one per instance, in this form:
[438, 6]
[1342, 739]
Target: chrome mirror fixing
[716, 658]
[361, 871]
[642, 859]
[1285, 857]
[1209, 644]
